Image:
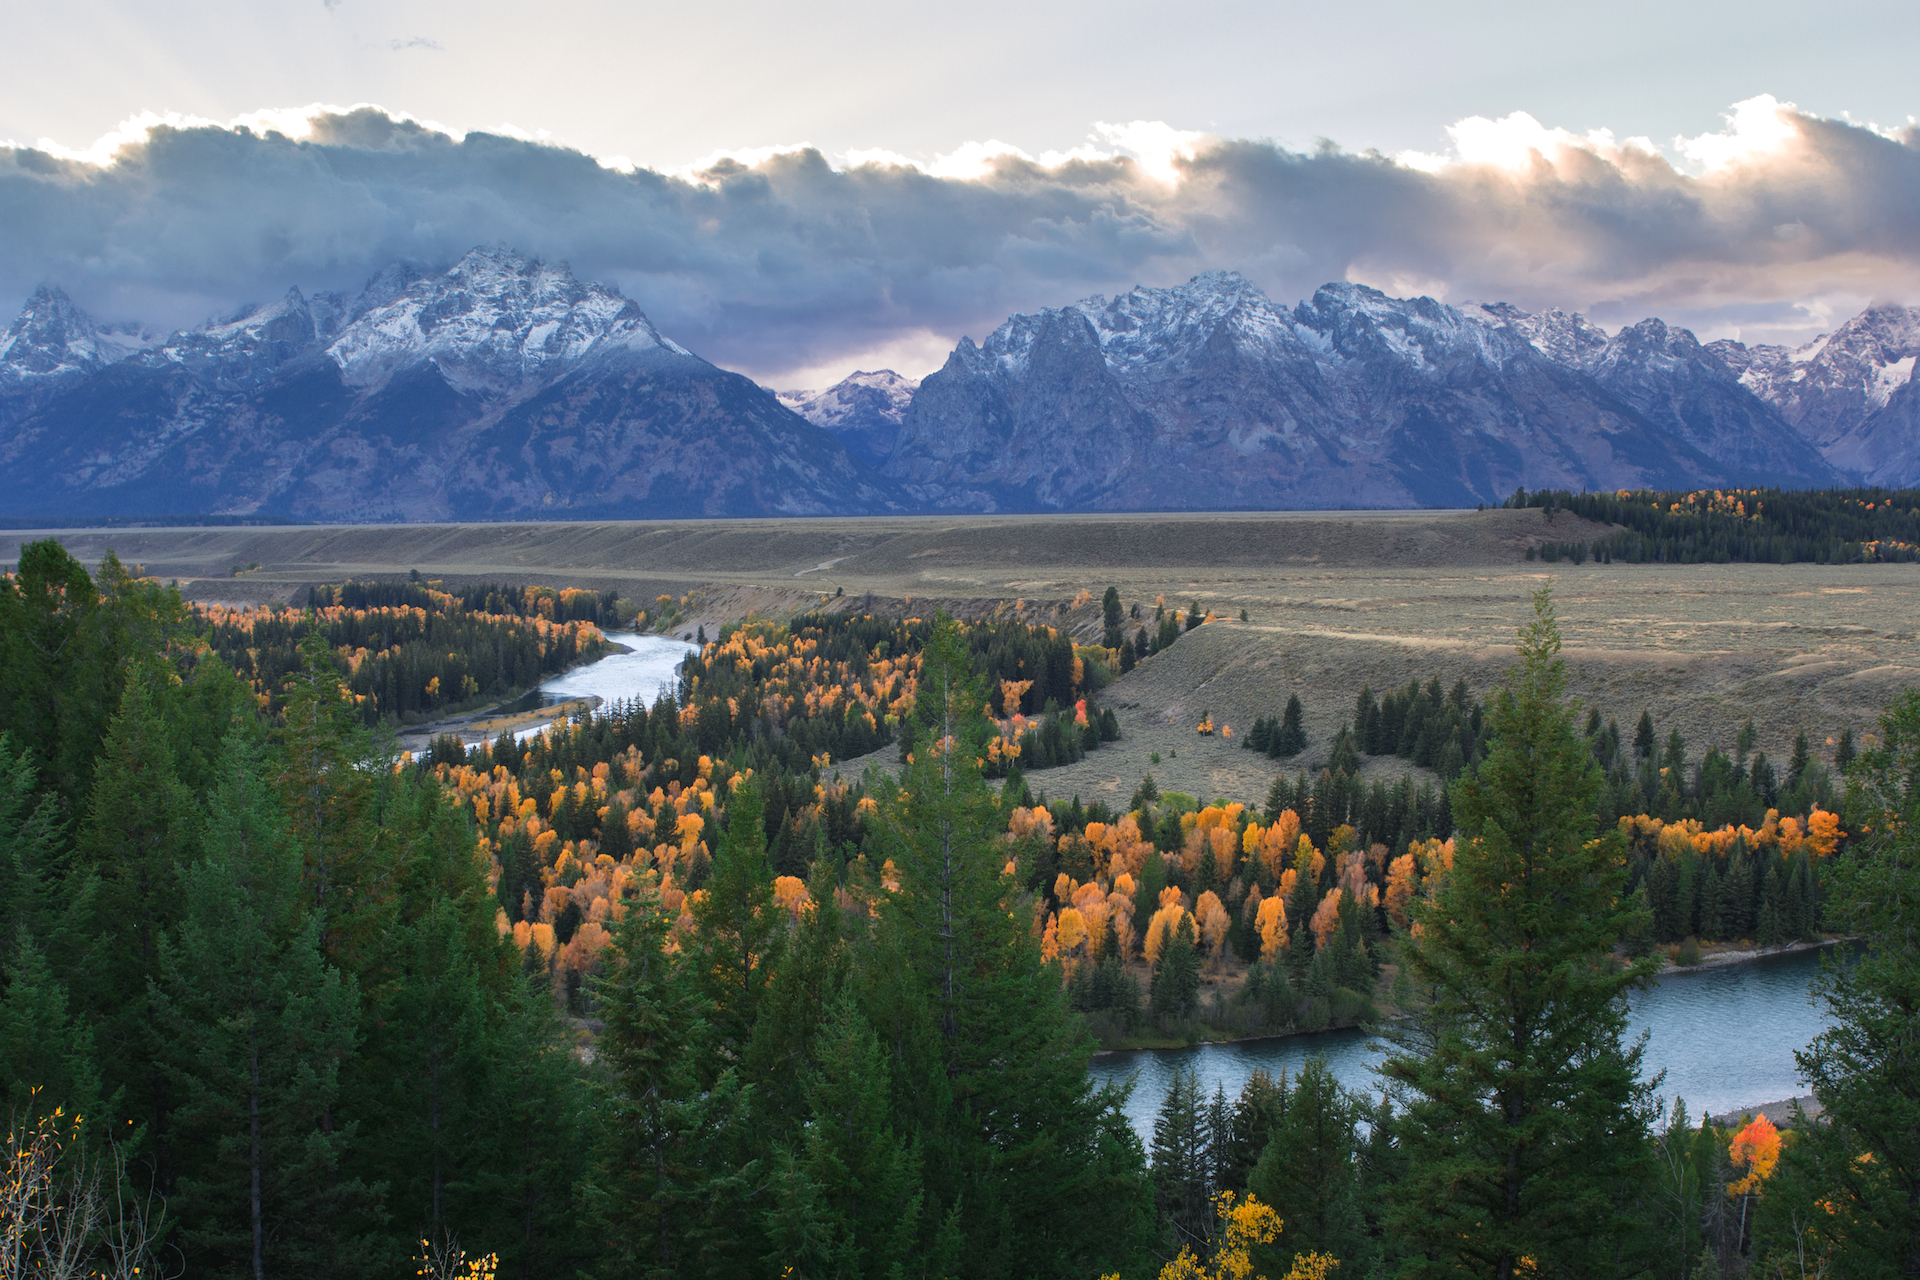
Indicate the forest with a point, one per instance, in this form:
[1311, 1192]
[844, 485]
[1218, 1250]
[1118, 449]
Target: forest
[1735, 526]
[652, 995]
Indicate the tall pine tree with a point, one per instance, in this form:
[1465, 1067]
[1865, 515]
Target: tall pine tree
[256, 1027]
[1527, 1128]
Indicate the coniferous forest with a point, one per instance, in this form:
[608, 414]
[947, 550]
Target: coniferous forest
[653, 994]
[1735, 526]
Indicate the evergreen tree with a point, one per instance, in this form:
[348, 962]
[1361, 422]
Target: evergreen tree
[1291, 739]
[796, 1005]
[1851, 1183]
[737, 927]
[257, 1028]
[653, 1196]
[849, 1199]
[1643, 737]
[1802, 757]
[1110, 615]
[1175, 994]
[1526, 1126]
[1181, 1191]
[68, 645]
[1308, 1172]
[46, 1056]
[41, 894]
[532, 1117]
[139, 833]
[1257, 1112]
[1017, 1144]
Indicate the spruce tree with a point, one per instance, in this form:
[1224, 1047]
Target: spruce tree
[1526, 1130]
[42, 894]
[1851, 1183]
[1291, 739]
[849, 1199]
[738, 928]
[1176, 977]
[1181, 1190]
[257, 1027]
[1308, 1172]
[652, 1195]
[46, 1056]
[139, 832]
[990, 1064]
[1643, 738]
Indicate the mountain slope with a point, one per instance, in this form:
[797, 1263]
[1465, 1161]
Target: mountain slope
[501, 389]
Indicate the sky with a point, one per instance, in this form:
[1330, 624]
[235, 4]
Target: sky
[798, 191]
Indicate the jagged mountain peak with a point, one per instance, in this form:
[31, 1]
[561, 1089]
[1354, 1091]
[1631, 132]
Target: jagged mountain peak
[53, 337]
[494, 319]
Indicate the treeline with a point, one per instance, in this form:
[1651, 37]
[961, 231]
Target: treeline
[402, 662]
[562, 604]
[1743, 526]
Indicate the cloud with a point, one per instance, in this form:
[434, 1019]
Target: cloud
[783, 260]
[416, 42]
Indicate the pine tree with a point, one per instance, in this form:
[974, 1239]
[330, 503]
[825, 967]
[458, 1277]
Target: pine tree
[1526, 1127]
[1181, 1191]
[257, 1028]
[1308, 1172]
[849, 1200]
[991, 1068]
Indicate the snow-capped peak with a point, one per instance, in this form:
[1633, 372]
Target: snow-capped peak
[53, 338]
[491, 322]
[882, 392]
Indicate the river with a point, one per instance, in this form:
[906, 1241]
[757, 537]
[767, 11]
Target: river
[651, 664]
[1725, 1037]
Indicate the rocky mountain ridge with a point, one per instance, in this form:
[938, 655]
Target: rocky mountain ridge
[1208, 395]
[503, 388]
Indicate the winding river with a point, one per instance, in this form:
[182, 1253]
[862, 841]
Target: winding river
[1725, 1037]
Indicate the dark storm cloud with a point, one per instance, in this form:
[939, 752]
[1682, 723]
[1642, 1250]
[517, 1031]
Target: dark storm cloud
[791, 262]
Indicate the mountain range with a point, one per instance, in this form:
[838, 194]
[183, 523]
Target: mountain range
[504, 388]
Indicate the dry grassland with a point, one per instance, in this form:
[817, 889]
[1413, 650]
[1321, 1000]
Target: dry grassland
[1334, 601]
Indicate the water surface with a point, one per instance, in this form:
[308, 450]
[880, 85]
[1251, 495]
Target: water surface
[651, 666]
[1725, 1037]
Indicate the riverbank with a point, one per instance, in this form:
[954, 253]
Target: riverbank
[1780, 1113]
[482, 727]
[1714, 955]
